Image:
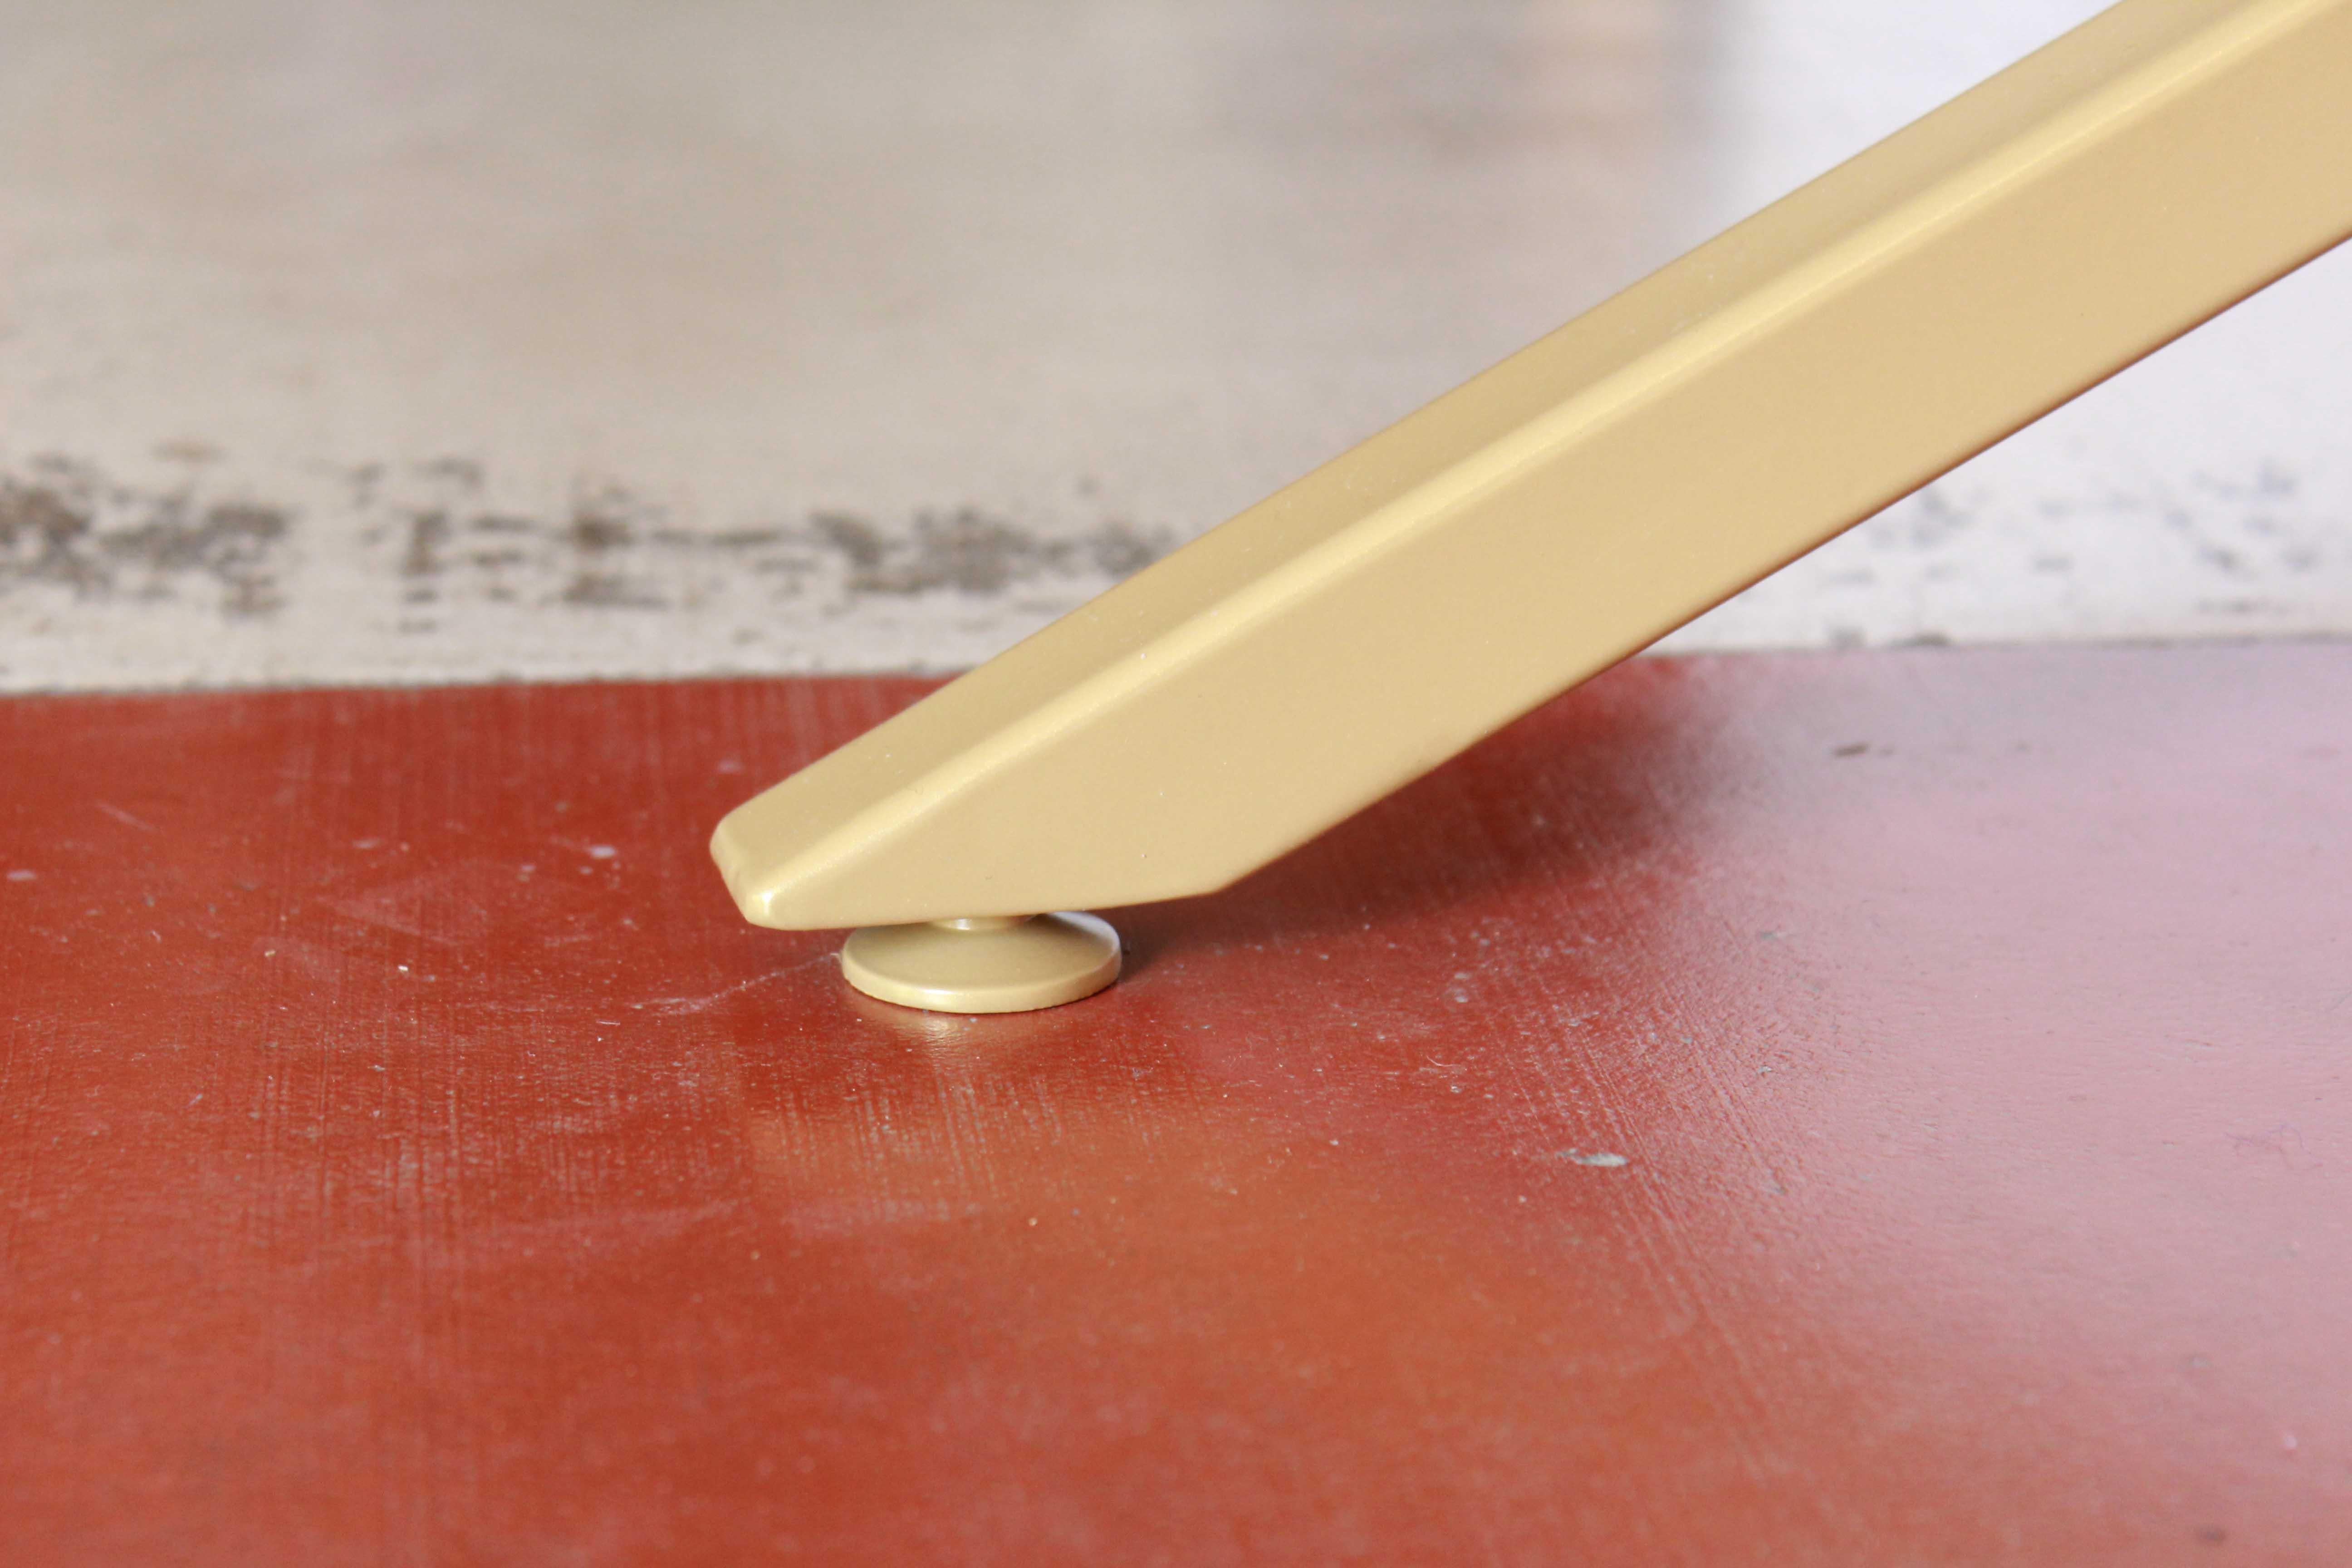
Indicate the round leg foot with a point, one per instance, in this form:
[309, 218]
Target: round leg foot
[1007, 964]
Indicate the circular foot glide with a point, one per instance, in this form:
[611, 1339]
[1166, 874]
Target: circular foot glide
[999, 965]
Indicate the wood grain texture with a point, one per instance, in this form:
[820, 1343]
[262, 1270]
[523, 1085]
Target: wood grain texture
[1882, 1107]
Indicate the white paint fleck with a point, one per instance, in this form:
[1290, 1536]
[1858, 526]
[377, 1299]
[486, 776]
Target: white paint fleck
[21, 876]
[602, 852]
[1599, 1162]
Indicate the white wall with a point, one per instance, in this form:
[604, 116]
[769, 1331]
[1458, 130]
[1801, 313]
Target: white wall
[359, 342]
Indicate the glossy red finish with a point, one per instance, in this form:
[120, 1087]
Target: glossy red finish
[1887, 1108]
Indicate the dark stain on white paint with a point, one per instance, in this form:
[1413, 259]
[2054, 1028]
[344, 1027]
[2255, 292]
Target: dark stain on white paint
[64, 526]
[67, 525]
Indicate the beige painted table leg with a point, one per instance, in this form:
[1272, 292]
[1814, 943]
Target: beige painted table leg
[1597, 489]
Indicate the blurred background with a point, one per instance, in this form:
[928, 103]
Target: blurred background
[350, 341]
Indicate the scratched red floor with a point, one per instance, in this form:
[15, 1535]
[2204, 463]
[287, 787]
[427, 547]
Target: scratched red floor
[1887, 1108]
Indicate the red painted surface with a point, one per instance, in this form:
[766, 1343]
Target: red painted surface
[406, 1157]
